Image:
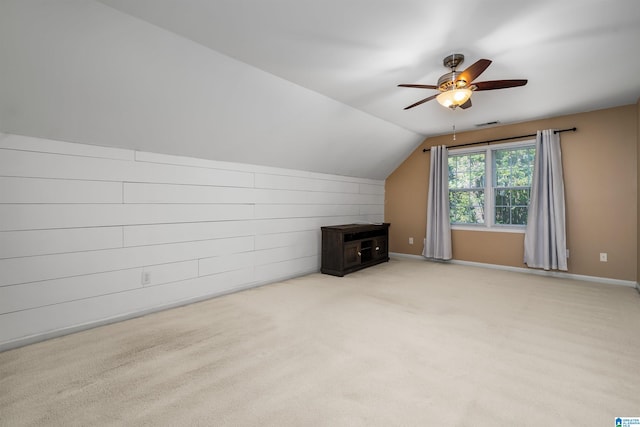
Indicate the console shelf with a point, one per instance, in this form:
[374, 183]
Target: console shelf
[351, 247]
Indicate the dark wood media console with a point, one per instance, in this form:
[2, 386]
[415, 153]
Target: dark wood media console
[351, 247]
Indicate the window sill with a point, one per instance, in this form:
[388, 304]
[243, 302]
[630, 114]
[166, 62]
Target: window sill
[494, 229]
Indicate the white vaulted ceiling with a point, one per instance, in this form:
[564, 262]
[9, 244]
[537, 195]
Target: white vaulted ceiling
[300, 84]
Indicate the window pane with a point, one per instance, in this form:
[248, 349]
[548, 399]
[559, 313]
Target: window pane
[501, 168]
[477, 206]
[458, 198]
[519, 215]
[502, 197]
[476, 170]
[466, 188]
[466, 171]
[520, 197]
[513, 172]
[514, 167]
[458, 204]
[503, 215]
[477, 215]
[466, 207]
[462, 179]
[476, 178]
[476, 198]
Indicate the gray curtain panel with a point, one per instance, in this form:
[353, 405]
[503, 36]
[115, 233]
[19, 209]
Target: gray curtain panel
[545, 236]
[438, 238]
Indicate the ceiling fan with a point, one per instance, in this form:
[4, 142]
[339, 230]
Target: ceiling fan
[456, 87]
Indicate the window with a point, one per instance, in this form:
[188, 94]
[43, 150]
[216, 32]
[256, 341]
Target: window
[512, 171]
[491, 187]
[466, 188]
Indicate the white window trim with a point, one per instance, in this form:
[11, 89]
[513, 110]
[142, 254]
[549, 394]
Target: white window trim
[488, 188]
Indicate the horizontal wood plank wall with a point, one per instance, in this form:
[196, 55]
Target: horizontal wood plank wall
[80, 226]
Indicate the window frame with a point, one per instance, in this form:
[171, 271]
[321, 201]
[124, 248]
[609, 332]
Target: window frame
[489, 195]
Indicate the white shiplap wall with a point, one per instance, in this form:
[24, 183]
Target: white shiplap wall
[80, 224]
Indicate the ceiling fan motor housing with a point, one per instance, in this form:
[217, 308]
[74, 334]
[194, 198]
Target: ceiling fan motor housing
[450, 81]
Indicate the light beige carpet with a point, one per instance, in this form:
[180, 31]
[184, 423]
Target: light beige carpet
[405, 343]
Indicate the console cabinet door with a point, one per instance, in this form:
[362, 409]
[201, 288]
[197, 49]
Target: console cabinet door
[380, 250]
[351, 255]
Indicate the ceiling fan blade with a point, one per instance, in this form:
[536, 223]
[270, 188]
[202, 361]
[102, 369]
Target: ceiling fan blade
[421, 101]
[420, 86]
[466, 104]
[499, 84]
[474, 70]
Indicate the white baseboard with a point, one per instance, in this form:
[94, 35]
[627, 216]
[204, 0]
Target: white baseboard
[399, 255]
[559, 274]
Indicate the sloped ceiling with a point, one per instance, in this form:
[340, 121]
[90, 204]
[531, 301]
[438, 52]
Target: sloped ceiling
[300, 84]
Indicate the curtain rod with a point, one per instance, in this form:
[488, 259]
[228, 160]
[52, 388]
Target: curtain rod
[573, 129]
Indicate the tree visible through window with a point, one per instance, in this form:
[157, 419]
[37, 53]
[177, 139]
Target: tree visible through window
[466, 188]
[491, 186]
[513, 170]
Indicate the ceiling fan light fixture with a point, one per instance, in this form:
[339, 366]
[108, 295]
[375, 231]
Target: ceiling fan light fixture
[456, 87]
[454, 98]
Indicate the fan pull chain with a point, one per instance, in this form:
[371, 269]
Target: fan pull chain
[453, 112]
[453, 121]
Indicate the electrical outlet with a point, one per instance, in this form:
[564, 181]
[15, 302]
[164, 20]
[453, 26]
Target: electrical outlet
[411, 240]
[603, 256]
[146, 277]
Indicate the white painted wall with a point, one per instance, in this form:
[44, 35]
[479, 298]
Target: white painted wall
[80, 224]
[80, 71]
